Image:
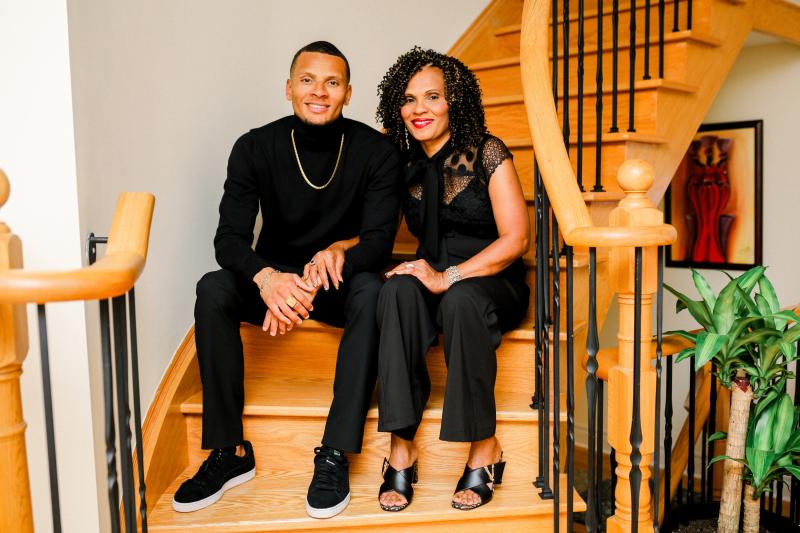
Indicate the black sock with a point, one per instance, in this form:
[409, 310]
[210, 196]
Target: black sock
[229, 450]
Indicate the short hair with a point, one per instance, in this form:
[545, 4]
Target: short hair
[322, 47]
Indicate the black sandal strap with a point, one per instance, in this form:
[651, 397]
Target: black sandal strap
[399, 481]
[477, 480]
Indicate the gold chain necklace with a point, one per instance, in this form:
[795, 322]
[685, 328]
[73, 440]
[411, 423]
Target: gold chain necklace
[302, 172]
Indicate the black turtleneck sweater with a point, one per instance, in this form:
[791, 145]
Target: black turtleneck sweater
[363, 199]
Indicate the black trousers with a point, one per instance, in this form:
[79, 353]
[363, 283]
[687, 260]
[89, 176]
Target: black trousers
[472, 315]
[224, 300]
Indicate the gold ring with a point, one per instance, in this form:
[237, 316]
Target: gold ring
[291, 301]
[312, 262]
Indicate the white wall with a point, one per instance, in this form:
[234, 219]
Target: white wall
[37, 152]
[762, 85]
[162, 90]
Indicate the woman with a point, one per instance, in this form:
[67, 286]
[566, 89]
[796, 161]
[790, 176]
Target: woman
[465, 205]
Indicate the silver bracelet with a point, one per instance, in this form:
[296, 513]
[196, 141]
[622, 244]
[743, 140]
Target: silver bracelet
[265, 279]
[453, 275]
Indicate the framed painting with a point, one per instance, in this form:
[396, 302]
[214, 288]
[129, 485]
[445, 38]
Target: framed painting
[715, 199]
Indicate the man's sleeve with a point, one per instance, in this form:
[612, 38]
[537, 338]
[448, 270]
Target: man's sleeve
[237, 213]
[379, 219]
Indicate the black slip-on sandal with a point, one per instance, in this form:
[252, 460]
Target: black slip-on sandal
[477, 480]
[399, 481]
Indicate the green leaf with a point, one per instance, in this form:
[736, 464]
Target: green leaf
[744, 300]
[697, 309]
[764, 311]
[762, 436]
[767, 290]
[705, 290]
[722, 458]
[759, 463]
[792, 334]
[682, 333]
[725, 308]
[793, 470]
[719, 435]
[755, 337]
[708, 345]
[764, 403]
[782, 422]
[749, 279]
[684, 354]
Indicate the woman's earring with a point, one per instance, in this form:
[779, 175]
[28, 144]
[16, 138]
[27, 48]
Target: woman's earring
[408, 144]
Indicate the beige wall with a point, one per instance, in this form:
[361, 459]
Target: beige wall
[37, 152]
[762, 85]
[162, 90]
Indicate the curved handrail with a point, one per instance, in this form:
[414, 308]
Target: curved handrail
[113, 275]
[559, 179]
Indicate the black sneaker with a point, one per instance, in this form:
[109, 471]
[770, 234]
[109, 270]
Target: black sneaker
[220, 472]
[329, 492]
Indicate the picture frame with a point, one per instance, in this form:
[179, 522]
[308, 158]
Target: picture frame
[715, 199]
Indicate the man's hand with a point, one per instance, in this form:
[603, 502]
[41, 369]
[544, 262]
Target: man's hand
[288, 299]
[325, 268]
[434, 281]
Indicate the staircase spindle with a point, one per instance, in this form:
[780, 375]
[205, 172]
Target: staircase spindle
[108, 416]
[592, 346]
[647, 40]
[565, 21]
[570, 389]
[613, 465]
[599, 455]
[632, 76]
[581, 38]
[614, 63]
[539, 324]
[659, 356]
[688, 14]
[675, 16]
[668, 442]
[662, 5]
[636, 424]
[48, 418]
[556, 374]
[137, 411]
[692, 421]
[546, 493]
[123, 410]
[598, 106]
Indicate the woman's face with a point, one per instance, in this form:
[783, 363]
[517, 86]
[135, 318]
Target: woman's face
[425, 111]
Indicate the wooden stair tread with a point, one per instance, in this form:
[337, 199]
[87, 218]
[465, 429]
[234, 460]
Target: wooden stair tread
[607, 137]
[587, 15]
[639, 85]
[269, 504]
[293, 396]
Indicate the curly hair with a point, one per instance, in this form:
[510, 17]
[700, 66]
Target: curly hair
[461, 91]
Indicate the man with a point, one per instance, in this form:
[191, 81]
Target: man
[328, 189]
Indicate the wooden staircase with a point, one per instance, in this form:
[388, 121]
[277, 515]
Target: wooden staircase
[289, 379]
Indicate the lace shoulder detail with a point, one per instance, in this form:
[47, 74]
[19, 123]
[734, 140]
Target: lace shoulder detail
[493, 153]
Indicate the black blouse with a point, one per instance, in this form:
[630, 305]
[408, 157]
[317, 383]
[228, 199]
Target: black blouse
[466, 219]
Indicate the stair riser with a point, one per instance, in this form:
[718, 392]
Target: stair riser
[511, 120]
[284, 449]
[506, 80]
[313, 356]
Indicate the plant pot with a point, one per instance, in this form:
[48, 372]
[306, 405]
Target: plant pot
[702, 517]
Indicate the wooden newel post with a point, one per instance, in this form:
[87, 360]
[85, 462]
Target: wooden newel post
[15, 504]
[635, 178]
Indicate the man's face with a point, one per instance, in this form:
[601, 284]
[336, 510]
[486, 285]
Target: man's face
[318, 88]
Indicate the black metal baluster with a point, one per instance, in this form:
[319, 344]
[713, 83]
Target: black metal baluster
[598, 105]
[579, 155]
[692, 421]
[538, 402]
[44, 351]
[689, 14]
[675, 15]
[592, 346]
[771, 506]
[123, 410]
[779, 497]
[108, 396]
[599, 456]
[108, 415]
[613, 465]
[703, 463]
[668, 443]
[632, 76]
[647, 40]
[656, 476]
[556, 374]
[662, 8]
[565, 74]
[614, 63]
[137, 412]
[636, 424]
[546, 493]
[570, 390]
[712, 428]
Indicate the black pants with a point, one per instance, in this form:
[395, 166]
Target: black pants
[472, 314]
[224, 300]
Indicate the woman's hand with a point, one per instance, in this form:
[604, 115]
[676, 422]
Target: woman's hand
[434, 281]
[325, 267]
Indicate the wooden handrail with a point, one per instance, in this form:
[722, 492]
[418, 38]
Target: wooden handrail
[564, 194]
[114, 274]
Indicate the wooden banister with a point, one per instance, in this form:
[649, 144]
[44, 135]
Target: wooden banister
[114, 274]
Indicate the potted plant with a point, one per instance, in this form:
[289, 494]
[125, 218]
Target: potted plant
[748, 339]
